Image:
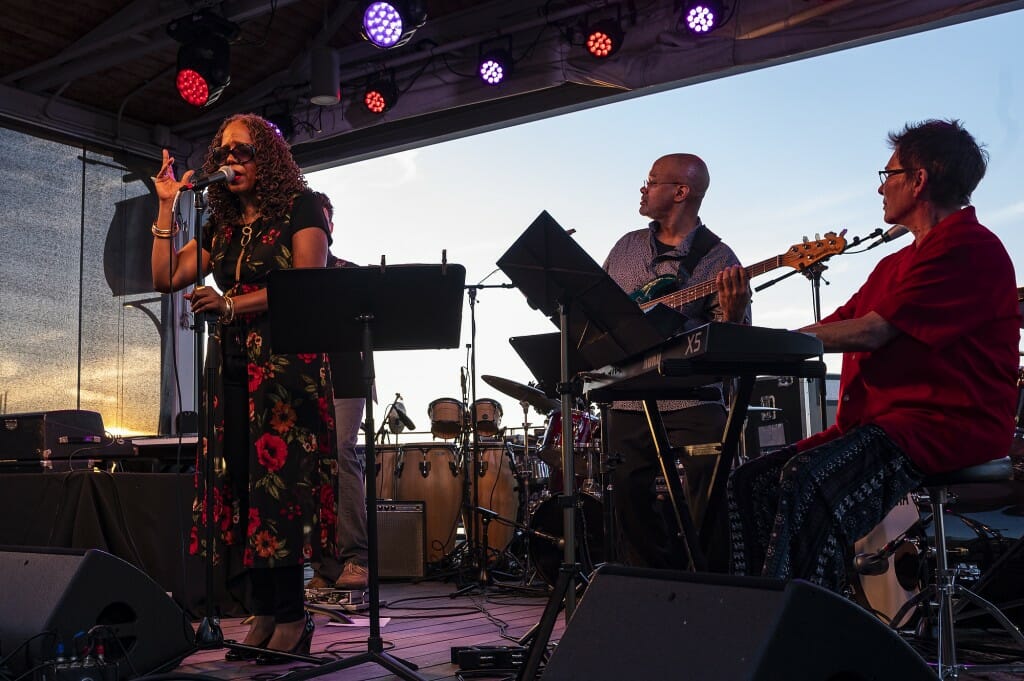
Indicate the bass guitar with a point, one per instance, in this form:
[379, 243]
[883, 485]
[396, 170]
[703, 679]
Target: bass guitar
[798, 256]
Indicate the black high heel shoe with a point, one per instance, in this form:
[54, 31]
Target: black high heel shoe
[301, 646]
[242, 655]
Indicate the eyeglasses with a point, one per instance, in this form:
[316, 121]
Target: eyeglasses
[241, 153]
[883, 175]
[651, 183]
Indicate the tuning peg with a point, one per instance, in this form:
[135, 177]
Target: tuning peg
[817, 237]
[806, 240]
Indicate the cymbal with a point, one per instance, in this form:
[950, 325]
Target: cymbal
[524, 393]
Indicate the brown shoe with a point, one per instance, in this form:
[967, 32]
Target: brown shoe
[353, 577]
[319, 582]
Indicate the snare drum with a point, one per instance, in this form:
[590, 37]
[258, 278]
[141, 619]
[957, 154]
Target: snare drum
[446, 417]
[486, 415]
[495, 477]
[431, 472]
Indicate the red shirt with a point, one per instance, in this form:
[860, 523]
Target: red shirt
[943, 389]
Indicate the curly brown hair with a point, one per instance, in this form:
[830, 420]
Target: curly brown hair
[278, 181]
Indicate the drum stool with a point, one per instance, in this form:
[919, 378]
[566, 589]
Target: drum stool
[944, 587]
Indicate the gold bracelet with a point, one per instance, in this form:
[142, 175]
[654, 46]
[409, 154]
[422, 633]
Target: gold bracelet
[229, 313]
[165, 233]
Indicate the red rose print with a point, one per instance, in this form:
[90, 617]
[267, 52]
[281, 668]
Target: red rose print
[271, 452]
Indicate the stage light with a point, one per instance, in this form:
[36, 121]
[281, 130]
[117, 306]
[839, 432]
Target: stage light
[282, 123]
[380, 95]
[495, 66]
[390, 24]
[703, 16]
[604, 38]
[324, 79]
[204, 57]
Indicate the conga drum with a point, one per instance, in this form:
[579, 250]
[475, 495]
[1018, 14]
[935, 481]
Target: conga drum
[431, 472]
[387, 463]
[446, 416]
[495, 480]
[486, 417]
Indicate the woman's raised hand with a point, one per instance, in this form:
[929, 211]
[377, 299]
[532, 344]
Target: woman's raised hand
[166, 185]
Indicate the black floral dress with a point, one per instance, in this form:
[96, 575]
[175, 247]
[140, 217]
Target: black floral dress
[281, 510]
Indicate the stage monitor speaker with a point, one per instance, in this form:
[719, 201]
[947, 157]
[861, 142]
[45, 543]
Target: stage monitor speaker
[402, 539]
[72, 594]
[653, 624]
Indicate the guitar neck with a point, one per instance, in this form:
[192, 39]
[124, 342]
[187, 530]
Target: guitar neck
[706, 288]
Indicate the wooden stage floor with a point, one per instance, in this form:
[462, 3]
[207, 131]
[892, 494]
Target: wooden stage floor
[425, 622]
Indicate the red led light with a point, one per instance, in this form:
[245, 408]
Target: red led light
[192, 87]
[375, 101]
[600, 44]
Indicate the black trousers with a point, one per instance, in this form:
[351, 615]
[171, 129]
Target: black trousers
[647, 523]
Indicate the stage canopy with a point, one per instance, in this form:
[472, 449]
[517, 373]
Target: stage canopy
[102, 72]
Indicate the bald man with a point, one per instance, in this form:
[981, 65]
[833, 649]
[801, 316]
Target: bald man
[675, 243]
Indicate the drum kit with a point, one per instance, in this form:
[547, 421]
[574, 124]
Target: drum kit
[517, 477]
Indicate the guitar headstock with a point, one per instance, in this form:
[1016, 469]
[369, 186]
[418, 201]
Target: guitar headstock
[809, 251]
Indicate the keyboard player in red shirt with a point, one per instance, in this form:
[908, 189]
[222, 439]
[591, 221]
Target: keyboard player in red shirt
[930, 355]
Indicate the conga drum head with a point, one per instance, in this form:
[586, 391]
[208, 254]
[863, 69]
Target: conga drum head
[446, 417]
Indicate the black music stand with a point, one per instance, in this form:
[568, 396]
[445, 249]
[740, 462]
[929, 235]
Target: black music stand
[398, 307]
[596, 318]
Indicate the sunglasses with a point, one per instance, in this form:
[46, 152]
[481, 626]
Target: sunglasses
[240, 152]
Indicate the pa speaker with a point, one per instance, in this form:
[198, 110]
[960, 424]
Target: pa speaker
[50, 598]
[648, 624]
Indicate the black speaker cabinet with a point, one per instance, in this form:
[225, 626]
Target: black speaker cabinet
[70, 592]
[402, 538]
[652, 624]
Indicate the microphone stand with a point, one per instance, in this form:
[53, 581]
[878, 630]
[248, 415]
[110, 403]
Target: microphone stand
[813, 274]
[473, 464]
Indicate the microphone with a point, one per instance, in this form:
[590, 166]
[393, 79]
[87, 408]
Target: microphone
[894, 232]
[398, 408]
[223, 174]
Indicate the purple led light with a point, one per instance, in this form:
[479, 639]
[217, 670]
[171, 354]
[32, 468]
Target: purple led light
[700, 19]
[382, 24]
[492, 71]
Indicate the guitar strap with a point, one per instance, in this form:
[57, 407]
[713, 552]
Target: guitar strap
[703, 241]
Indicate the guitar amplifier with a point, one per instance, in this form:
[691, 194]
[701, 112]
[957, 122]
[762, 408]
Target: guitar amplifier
[49, 435]
[401, 539]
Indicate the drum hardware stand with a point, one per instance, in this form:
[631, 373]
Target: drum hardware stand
[349, 324]
[609, 462]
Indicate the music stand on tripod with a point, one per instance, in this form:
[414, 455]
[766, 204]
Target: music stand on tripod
[398, 307]
[596, 318]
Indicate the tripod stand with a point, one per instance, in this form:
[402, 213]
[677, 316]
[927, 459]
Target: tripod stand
[361, 312]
